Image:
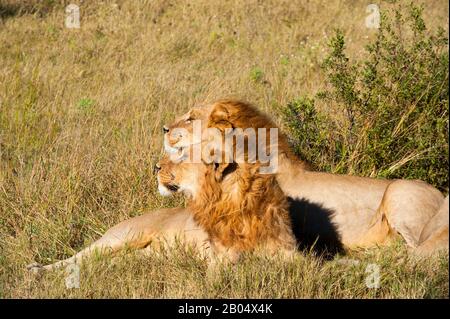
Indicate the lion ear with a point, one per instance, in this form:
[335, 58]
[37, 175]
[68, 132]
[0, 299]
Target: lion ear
[192, 113]
[223, 169]
[220, 118]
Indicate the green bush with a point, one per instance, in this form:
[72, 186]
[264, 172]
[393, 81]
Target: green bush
[387, 114]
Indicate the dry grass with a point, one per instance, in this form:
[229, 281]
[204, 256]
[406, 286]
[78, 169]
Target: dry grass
[81, 113]
[179, 274]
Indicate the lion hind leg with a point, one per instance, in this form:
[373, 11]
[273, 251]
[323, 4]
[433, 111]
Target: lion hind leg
[409, 206]
[436, 243]
[378, 231]
[434, 236]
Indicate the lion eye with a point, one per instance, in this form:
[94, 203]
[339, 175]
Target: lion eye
[188, 121]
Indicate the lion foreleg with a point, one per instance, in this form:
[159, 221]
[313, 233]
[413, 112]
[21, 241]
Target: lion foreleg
[138, 232]
[112, 241]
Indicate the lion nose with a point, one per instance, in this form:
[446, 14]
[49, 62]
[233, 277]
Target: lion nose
[156, 169]
[165, 129]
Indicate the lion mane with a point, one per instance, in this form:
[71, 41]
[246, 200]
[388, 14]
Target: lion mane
[242, 210]
[229, 113]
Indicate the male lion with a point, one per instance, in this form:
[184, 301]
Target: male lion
[240, 209]
[366, 211]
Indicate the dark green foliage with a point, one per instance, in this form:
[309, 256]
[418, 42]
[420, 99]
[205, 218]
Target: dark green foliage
[389, 111]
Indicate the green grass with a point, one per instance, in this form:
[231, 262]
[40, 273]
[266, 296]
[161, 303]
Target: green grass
[81, 112]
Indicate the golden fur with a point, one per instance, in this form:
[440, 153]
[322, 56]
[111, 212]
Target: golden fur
[240, 209]
[176, 140]
[366, 211]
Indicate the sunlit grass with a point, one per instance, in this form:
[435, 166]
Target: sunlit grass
[81, 112]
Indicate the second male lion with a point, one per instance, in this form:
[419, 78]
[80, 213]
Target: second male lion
[240, 209]
[366, 211]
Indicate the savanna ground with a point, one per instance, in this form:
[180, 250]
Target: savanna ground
[81, 112]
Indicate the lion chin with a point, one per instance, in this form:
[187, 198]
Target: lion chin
[171, 149]
[164, 191]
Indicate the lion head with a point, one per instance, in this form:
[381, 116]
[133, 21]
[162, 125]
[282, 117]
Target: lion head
[177, 176]
[239, 208]
[227, 116]
[180, 133]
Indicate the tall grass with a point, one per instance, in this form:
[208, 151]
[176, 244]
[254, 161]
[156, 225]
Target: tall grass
[81, 112]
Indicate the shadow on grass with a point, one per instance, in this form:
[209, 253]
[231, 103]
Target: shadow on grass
[313, 228]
